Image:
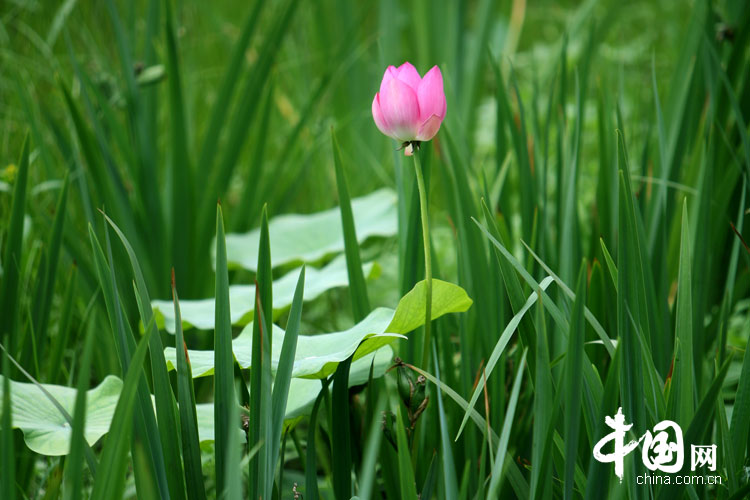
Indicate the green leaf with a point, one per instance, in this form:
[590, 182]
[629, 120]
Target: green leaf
[610, 263]
[44, 296]
[681, 395]
[341, 440]
[181, 173]
[191, 453]
[676, 113]
[260, 375]
[500, 347]
[12, 256]
[146, 430]
[357, 286]
[219, 175]
[573, 382]
[318, 355]
[224, 396]
[311, 469]
[368, 471]
[280, 395]
[115, 455]
[7, 443]
[546, 408]
[165, 405]
[548, 303]
[228, 83]
[699, 425]
[527, 330]
[73, 473]
[406, 473]
[517, 480]
[200, 313]
[309, 238]
[46, 431]
[493, 490]
[450, 481]
[60, 341]
[740, 423]
[303, 391]
[599, 473]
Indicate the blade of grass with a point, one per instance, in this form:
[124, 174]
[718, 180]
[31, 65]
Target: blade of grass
[7, 443]
[527, 330]
[544, 413]
[740, 423]
[146, 172]
[548, 303]
[224, 396]
[517, 480]
[501, 344]
[407, 482]
[675, 111]
[233, 463]
[311, 469]
[371, 448]
[284, 370]
[115, 454]
[450, 482]
[573, 383]
[681, 395]
[228, 82]
[163, 395]
[191, 453]
[430, 479]
[728, 298]
[60, 341]
[260, 376]
[248, 200]
[181, 169]
[73, 472]
[700, 424]
[245, 113]
[627, 299]
[12, 257]
[599, 473]
[518, 137]
[611, 267]
[44, 297]
[341, 439]
[146, 430]
[496, 476]
[357, 284]
[588, 315]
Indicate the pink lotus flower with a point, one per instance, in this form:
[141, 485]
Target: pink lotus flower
[409, 108]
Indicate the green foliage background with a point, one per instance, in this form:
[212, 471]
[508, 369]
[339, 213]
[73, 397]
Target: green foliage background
[587, 190]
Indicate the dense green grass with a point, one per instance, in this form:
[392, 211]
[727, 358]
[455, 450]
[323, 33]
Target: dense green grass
[587, 196]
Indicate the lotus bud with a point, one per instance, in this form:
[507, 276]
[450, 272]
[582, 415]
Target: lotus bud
[409, 108]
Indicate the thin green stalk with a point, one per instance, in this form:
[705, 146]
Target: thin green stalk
[427, 261]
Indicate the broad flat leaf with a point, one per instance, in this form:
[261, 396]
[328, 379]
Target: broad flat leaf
[302, 391]
[309, 238]
[45, 430]
[205, 415]
[200, 313]
[318, 355]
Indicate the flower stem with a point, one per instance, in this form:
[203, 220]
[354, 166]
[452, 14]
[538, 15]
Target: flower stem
[427, 261]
